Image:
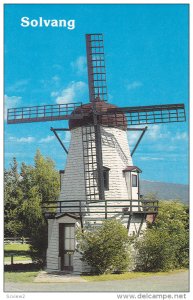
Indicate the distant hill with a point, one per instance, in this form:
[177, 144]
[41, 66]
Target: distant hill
[165, 191]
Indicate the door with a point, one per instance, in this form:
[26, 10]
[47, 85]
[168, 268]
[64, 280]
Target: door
[66, 246]
[135, 186]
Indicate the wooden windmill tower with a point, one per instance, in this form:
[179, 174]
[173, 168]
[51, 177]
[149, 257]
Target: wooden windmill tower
[99, 180]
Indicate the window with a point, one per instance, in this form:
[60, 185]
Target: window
[134, 180]
[69, 237]
[106, 178]
[66, 245]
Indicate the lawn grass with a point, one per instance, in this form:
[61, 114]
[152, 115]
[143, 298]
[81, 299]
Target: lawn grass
[16, 247]
[127, 275]
[17, 258]
[20, 276]
[20, 252]
[30, 276]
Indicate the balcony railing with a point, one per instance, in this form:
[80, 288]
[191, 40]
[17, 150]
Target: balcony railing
[83, 208]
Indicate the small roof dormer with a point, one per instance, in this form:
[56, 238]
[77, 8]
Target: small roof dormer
[132, 169]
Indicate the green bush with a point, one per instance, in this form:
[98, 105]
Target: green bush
[107, 248]
[164, 245]
[155, 251]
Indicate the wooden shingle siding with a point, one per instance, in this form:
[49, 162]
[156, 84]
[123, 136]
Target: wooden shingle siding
[116, 157]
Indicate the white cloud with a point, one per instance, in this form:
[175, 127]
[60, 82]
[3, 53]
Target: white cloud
[56, 78]
[180, 136]
[54, 94]
[158, 132]
[134, 85]
[57, 67]
[155, 132]
[50, 83]
[48, 139]
[67, 137]
[28, 139]
[73, 92]
[79, 65]
[18, 86]
[12, 154]
[10, 102]
[133, 137]
[150, 158]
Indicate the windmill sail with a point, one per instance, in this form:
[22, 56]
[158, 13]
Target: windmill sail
[96, 67]
[97, 92]
[44, 113]
[142, 115]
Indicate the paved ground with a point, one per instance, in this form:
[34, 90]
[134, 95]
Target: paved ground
[44, 277]
[178, 282]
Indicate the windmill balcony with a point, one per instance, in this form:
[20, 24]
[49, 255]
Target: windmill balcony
[107, 209]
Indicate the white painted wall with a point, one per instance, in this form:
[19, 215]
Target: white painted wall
[73, 187]
[53, 261]
[53, 245]
[116, 157]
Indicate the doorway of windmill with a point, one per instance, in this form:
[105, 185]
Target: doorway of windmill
[66, 246]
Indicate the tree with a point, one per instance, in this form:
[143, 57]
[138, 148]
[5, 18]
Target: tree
[164, 245]
[24, 194]
[40, 184]
[46, 177]
[173, 217]
[106, 249]
[35, 224]
[12, 198]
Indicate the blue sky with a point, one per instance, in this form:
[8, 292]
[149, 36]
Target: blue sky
[146, 50]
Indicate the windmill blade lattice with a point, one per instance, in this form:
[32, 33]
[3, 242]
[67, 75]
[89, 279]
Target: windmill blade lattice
[96, 67]
[44, 113]
[143, 115]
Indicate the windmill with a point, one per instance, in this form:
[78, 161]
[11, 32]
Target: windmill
[100, 180]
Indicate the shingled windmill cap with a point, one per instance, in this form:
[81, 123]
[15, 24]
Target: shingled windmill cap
[116, 120]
